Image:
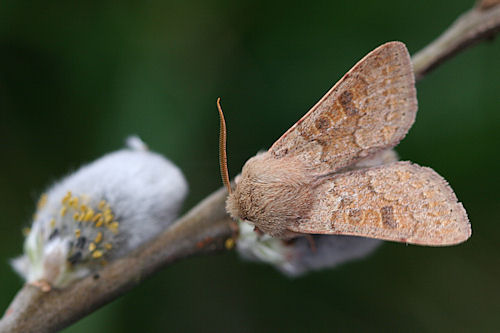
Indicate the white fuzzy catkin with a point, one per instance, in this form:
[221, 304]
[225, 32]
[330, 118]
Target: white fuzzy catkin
[330, 251]
[298, 257]
[99, 213]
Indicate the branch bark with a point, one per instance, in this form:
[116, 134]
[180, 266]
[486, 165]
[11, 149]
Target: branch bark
[480, 23]
[206, 227]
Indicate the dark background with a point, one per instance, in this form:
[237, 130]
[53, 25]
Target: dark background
[76, 78]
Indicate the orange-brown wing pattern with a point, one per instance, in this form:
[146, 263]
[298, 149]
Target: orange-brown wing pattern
[370, 108]
[400, 202]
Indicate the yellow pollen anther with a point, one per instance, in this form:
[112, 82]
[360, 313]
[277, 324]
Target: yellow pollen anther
[52, 223]
[97, 254]
[107, 246]
[102, 204]
[108, 216]
[83, 208]
[66, 198]
[73, 202]
[99, 223]
[114, 226]
[229, 243]
[77, 233]
[42, 201]
[96, 217]
[92, 247]
[88, 215]
[63, 210]
[76, 216]
[98, 238]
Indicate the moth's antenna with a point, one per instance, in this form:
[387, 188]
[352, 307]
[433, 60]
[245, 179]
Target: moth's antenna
[222, 149]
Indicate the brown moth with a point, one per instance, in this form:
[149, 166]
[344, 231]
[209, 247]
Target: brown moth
[334, 172]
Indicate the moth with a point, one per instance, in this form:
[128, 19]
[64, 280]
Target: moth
[334, 171]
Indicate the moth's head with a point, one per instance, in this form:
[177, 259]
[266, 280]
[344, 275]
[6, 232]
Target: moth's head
[239, 199]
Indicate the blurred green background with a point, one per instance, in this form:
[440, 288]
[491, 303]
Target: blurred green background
[77, 77]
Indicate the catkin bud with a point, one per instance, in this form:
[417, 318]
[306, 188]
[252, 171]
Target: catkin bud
[301, 255]
[99, 213]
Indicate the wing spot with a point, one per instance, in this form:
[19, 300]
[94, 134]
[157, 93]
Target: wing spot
[322, 124]
[388, 217]
[345, 100]
[356, 216]
[373, 217]
[345, 97]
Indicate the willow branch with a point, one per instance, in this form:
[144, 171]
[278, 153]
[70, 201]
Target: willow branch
[480, 23]
[203, 229]
[206, 227]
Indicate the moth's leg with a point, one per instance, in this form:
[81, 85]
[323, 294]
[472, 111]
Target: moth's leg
[235, 230]
[312, 242]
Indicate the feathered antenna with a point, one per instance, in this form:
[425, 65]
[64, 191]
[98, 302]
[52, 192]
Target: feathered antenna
[222, 149]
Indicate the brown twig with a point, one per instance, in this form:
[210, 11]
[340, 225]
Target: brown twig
[202, 230]
[206, 227]
[480, 23]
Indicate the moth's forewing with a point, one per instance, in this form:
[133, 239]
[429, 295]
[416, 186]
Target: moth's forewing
[400, 202]
[369, 109]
